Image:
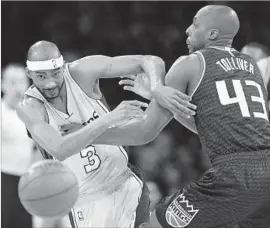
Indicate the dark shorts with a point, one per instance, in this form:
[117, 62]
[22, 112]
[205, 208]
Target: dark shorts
[234, 191]
[13, 213]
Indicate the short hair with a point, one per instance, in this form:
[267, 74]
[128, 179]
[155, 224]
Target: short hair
[43, 50]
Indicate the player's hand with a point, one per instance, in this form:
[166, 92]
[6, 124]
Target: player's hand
[69, 128]
[127, 110]
[139, 84]
[175, 101]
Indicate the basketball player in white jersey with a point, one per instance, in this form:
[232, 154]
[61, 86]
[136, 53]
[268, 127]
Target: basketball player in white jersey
[17, 148]
[111, 195]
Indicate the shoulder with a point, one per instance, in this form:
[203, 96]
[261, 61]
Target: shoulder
[27, 102]
[30, 109]
[185, 66]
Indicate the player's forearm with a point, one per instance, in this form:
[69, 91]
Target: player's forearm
[76, 141]
[135, 132]
[138, 132]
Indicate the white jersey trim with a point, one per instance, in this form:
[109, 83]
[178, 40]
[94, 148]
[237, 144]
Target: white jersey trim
[202, 60]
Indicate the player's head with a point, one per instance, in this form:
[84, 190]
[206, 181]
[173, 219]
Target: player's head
[256, 50]
[45, 66]
[14, 83]
[212, 25]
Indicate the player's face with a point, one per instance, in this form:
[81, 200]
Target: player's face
[197, 35]
[48, 82]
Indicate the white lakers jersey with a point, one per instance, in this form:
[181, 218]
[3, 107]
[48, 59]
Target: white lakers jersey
[99, 168]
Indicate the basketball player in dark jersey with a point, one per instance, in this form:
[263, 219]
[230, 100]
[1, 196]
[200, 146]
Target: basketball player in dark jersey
[232, 123]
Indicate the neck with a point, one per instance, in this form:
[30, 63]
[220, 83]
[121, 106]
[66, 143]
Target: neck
[223, 42]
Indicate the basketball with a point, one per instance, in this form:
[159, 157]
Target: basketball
[48, 189]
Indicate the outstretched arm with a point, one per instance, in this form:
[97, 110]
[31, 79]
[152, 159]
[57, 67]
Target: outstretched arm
[91, 68]
[171, 96]
[32, 113]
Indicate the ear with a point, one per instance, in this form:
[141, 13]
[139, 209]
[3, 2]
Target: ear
[214, 33]
[28, 73]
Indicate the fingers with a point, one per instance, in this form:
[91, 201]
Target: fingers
[178, 112]
[185, 103]
[129, 88]
[135, 112]
[126, 82]
[136, 103]
[132, 77]
[182, 95]
[178, 108]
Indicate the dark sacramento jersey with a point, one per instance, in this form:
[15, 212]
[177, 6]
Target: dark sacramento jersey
[232, 114]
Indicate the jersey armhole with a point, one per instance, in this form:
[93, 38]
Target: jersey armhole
[203, 66]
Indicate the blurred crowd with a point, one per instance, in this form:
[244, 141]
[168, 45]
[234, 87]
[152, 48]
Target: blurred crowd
[175, 157]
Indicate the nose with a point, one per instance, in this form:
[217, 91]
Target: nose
[50, 85]
[188, 31]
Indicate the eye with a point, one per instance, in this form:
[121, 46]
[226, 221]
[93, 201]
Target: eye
[57, 73]
[40, 76]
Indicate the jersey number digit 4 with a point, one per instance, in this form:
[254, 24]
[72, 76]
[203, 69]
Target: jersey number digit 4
[240, 98]
[93, 159]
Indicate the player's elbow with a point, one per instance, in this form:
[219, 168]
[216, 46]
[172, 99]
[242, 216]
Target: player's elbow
[159, 62]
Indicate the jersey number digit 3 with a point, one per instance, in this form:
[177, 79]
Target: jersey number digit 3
[93, 159]
[240, 98]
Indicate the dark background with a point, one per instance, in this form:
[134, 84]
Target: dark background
[120, 28]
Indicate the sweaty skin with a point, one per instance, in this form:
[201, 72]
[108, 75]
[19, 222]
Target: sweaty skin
[86, 72]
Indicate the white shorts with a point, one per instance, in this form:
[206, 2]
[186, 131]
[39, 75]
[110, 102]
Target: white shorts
[115, 210]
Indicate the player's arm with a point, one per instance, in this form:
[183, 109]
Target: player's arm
[32, 112]
[138, 131]
[157, 117]
[183, 77]
[94, 67]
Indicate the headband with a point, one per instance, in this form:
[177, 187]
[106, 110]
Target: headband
[45, 65]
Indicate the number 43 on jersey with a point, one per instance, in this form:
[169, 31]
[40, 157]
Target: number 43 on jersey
[240, 98]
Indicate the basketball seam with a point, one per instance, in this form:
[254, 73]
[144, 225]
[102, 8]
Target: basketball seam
[44, 175]
[46, 197]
